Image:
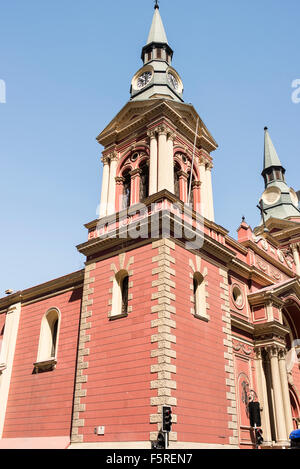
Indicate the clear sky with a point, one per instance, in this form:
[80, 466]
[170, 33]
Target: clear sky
[67, 66]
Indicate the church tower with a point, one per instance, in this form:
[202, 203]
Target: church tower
[169, 310]
[156, 142]
[153, 293]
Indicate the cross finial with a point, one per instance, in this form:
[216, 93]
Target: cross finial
[156, 4]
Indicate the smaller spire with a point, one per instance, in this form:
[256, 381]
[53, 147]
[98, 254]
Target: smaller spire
[271, 158]
[157, 32]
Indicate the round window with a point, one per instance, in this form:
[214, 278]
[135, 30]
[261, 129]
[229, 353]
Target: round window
[135, 156]
[237, 296]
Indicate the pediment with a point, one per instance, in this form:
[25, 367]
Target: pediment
[138, 114]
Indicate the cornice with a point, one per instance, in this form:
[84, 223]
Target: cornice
[251, 245]
[264, 297]
[113, 238]
[266, 333]
[55, 286]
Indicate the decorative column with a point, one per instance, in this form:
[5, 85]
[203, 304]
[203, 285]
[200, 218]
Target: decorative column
[119, 193]
[210, 203]
[285, 392]
[111, 203]
[135, 186]
[165, 159]
[196, 188]
[203, 190]
[278, 399]
[263, 396]
[153, 162]
[296, 257]
[7, 357]
[183, 186]
[105, 185]
[170, 173]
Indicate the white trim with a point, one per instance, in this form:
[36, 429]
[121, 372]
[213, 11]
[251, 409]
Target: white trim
[7, 356]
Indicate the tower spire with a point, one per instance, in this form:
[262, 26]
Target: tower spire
[278, 200]
[157, 32]
[157, 78]
[271, 158]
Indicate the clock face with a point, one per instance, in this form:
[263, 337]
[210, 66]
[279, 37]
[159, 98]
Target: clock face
[144, 79]
[271, 195]
[173, 81]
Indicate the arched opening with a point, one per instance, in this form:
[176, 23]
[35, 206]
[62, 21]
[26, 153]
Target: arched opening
[120, 294]
[190, 189]
[199, 294]
[295, 409]
[49, 336]
[177, 170]
[126, 189]
[144, 181]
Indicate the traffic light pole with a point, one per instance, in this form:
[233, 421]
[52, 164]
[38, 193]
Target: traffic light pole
[166, 440]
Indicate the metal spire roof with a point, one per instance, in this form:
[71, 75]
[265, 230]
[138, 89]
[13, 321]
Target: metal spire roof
[157, 32]
[270, 157]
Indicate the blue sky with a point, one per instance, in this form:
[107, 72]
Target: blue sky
[68, 64]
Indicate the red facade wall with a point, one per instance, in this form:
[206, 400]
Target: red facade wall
[40, 405]
[200, 363]
[118, 387]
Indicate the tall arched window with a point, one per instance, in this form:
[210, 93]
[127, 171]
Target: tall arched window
[190, 186]
[126, 189]
[48, 343]
[199, 295]
[177, 170]
[120, 294]
[144, 181]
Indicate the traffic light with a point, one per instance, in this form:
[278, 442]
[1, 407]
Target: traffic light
[167, 419]
[259, 437]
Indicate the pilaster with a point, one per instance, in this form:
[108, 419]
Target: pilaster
[7, 357]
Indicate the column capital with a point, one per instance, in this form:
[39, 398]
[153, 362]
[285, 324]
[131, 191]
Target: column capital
[171, 136]
[202, 161]
[119, 180]
[282, 353]
[196, 184]
[258, 352]
[162, 130]
[113, 156]
[105, 159]
[183, 174]
[135, 172]
[152, 133]
[272, 350]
